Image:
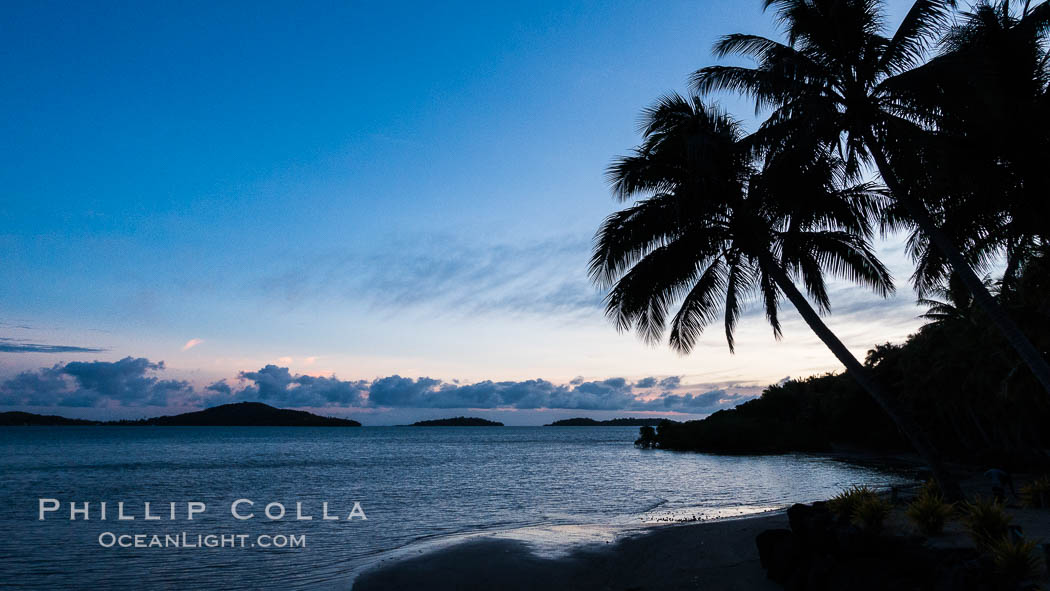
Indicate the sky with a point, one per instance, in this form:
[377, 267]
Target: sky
[377, 210]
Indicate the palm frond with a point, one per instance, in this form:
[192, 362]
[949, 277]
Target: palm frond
[812, 276]
[740, 279]
[630, 234]
[849, 257]
[921, 27]
[699, 307]
[771, 298]
[640, 299]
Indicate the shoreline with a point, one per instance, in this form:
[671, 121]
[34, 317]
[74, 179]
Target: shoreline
[713, 554]
[717, 552]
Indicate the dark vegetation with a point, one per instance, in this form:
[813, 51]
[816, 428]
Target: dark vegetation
[241, 414]
[625, 422]
[646, 437]
[952, 111]
[458, 422]
[957, 376]
[18, 418]
[826, 550]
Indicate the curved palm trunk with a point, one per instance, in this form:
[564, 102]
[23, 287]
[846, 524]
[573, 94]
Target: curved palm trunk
[908, 427]
[1027, 351]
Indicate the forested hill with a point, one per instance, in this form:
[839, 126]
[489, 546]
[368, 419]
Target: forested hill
[242, 414]
[626, 422]
[458, 422]
[18, 418]
[957, 375]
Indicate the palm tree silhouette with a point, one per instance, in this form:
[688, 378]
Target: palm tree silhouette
[710, 229]
[952, 302]
[993, 74]
[839, 82]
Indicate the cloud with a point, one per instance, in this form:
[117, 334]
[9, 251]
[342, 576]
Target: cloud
[133, 382]
[127, 382]
[542, 277]
[19, 325]
[278, 386]
[8, 345]
[706, 402]
[671, 383]
[44, 387]
[610, 394]
[191, 344]
[221, 388]
[404, 392]
[668, 383]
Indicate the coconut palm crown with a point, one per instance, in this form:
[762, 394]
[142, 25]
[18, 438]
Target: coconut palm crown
[712, 225]
[841, 83]
[991, 88]
[710, 228]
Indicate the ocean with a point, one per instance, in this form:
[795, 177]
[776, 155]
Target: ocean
[418, 487]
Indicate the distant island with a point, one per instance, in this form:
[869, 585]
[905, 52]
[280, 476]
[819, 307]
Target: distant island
[584, 422]
[458, 422]
[17, 418]
[241, 414]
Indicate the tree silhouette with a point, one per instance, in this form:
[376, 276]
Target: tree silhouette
[711, 228]
[840, 83]
[990, 91]
[953, 302]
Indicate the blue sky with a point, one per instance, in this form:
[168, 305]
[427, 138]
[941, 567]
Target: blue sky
[360, 191]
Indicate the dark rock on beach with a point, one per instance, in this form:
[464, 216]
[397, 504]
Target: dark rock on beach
[778, 553]
[824, 553]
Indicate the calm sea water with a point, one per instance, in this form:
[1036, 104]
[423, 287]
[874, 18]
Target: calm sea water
[416, 485]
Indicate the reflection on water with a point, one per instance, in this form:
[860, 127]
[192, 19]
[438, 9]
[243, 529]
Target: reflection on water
[419, 487]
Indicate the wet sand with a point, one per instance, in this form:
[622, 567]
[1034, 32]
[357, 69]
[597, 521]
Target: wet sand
[718, 555]
[715, 556]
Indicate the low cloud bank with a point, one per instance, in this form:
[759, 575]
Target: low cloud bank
[135, 382]
[128, 382]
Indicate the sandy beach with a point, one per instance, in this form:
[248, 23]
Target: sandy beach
[716, 555]
[713, 555]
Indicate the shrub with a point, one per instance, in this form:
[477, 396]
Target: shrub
[986, 521]
[1036, 493]
[870, 512]
[928, 511]
[1015, 560]
[846, 502]
[646, 437]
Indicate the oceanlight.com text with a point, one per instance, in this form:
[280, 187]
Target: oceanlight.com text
[187, 540]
